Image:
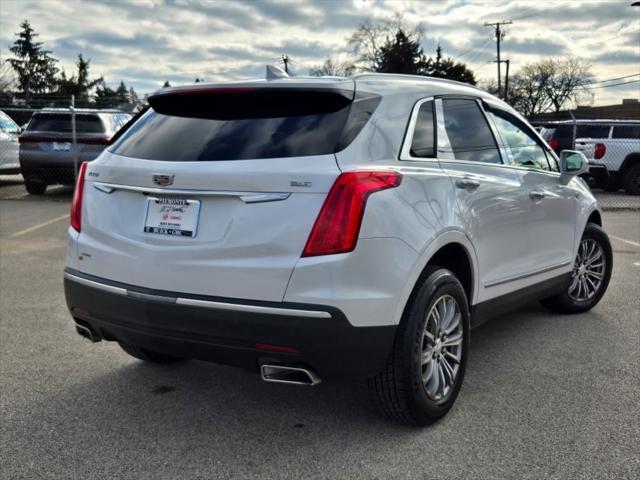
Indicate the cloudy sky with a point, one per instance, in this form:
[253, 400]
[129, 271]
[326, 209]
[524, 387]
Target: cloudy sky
[147, 42]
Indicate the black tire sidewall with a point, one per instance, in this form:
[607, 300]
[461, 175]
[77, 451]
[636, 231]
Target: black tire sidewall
[437, 283]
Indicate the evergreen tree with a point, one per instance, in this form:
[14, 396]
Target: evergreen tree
[35, 67]
[441, 67]
[79, 84]
[401, 54]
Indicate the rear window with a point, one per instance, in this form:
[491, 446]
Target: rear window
[243, 125]
[61, 123]
[627, 131]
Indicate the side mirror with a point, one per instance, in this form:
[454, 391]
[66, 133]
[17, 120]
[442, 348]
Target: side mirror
[572, 163]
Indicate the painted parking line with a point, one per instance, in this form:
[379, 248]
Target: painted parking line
[630, 242]
[38, 226]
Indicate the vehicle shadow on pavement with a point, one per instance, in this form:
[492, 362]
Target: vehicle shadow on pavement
[194, 415]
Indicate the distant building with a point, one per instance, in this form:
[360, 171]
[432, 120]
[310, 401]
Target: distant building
[629, 109]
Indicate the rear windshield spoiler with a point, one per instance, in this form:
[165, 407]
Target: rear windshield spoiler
[231, 103]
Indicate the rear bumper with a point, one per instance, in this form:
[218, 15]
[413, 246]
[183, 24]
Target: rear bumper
[599, 172]
[228, 331]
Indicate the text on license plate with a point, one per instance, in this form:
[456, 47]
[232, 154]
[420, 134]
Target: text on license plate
[172, 216]
[61, 146]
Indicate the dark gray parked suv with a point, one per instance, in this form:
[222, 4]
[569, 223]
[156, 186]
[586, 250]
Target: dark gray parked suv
[46, 156]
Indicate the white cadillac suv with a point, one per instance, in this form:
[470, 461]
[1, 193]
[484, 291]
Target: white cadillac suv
[310, 229]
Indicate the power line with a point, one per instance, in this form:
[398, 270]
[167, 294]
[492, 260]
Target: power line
[614, 84]
[613, 79]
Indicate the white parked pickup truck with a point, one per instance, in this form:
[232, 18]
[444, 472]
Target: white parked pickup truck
[614, 158]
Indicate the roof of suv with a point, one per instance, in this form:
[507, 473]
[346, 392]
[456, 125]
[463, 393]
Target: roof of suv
[379, 83]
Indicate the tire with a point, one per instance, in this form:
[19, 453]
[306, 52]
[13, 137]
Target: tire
[35, 187]
[400, 390]
[148, 355]
[576, 298]
[611, 185]
[632, 180]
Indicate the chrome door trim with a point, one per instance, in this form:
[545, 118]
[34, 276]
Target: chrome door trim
[247, 197]
[526, 275]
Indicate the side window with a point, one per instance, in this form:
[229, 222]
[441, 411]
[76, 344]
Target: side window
[626, 131]
[521, 142]
[469, 134]
[592, 131]
[422, 144]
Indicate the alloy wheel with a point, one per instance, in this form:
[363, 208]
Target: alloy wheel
[441, 352]
[588, 271]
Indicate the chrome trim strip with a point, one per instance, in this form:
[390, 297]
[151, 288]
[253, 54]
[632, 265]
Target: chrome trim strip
[253, 308]
[289, 312]
[247, 197]
[526, 275]
[98, 285]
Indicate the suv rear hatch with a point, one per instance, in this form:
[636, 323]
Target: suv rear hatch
[214, 191]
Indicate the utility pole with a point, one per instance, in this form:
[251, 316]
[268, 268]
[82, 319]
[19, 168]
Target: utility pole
[506, 81]
[285, 60]
[499, 33]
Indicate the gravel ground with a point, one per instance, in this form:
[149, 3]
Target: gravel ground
[545, 396]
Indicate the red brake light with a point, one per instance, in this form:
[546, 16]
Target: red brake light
[600, 150]
[554, 144]
[338, 223]
[76, 204]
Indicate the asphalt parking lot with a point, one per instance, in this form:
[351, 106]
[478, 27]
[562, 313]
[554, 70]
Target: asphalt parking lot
[545, 396]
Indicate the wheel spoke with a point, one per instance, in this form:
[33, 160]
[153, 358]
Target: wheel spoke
[453, 341]
[433, 380]
[447, 369]
[596, 275]
[428, 373]
[451, 356]
[455, 323]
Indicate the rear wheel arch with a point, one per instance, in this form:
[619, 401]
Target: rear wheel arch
[453, 256]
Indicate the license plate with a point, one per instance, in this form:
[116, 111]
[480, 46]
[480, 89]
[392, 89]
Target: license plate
[61, 146]
[172, 216]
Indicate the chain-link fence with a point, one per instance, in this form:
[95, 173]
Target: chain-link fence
[612, 146]
[55, 139]
[42, 146]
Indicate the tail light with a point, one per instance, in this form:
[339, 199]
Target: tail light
[338, 223]
[554, 144]
[599, 151]
[76, 204]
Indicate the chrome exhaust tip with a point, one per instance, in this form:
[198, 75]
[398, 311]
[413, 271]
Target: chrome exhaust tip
[290, 375]
[87, 333]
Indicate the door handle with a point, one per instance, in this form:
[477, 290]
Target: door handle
[467, 183]
[536, 195]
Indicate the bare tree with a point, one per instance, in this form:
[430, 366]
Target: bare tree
[333, 68]
[365, 43]
[548, 85]
[567, 80]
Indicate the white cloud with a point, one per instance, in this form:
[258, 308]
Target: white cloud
[147, 42]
